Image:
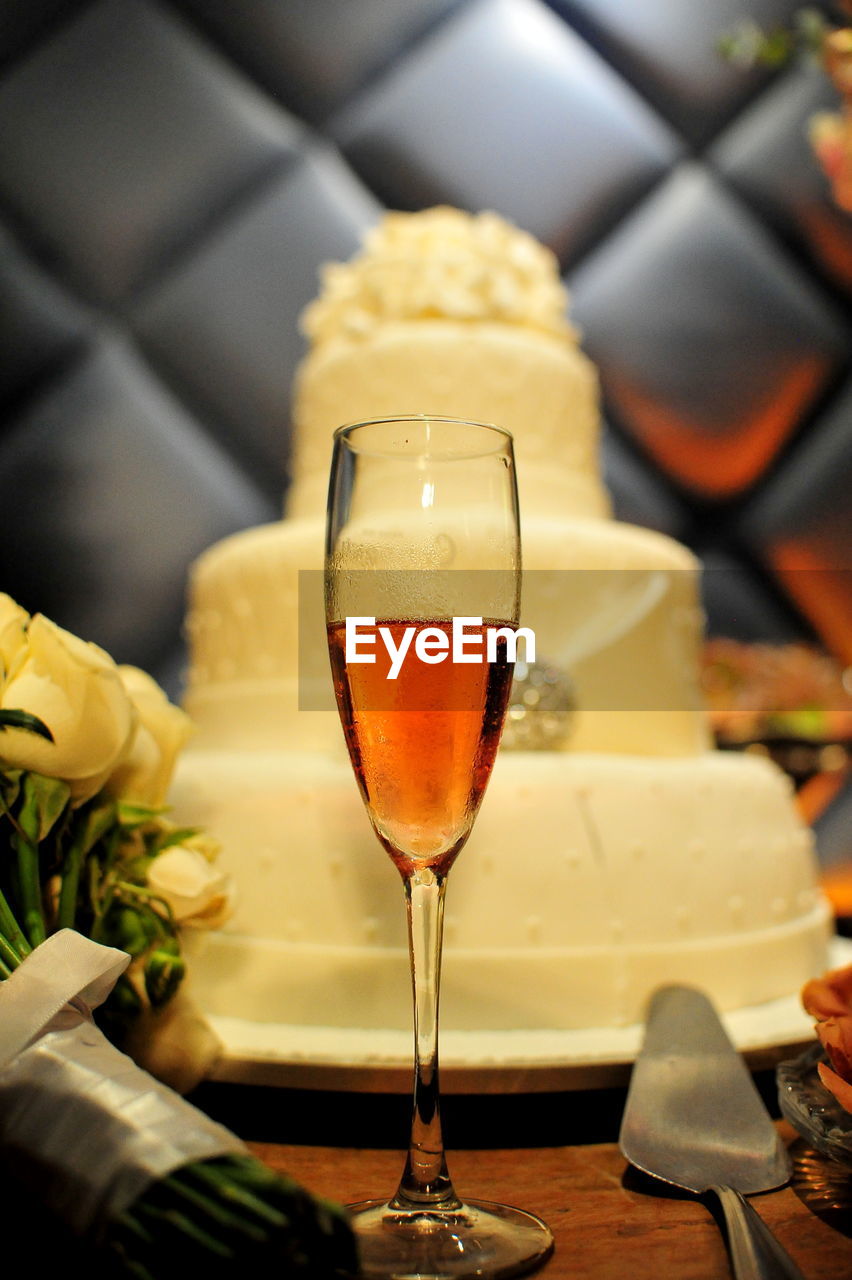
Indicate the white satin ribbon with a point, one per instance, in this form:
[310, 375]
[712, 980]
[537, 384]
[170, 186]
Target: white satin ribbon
[79, 1121]
[64, 968]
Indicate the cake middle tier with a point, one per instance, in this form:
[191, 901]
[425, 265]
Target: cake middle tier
[613, 607]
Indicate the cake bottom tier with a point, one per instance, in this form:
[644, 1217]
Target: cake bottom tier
[588, 881]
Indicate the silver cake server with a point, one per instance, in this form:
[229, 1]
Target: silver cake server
[694, 1119]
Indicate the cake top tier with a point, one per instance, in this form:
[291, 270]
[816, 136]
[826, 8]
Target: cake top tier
[441, 263]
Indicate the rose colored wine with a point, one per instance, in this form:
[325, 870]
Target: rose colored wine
[422, 745]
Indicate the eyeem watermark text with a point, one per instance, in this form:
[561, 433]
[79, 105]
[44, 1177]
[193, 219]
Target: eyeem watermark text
[465, 640]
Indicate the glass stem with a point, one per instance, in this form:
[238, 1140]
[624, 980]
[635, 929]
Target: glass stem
[425, 1180]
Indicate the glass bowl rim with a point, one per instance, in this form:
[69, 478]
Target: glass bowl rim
[811, 1109]
[344, 434]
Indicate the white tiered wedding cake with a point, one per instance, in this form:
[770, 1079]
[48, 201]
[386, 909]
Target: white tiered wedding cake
[626, 854]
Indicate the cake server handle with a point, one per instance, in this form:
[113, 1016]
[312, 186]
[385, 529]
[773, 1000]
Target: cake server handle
[755, 1252]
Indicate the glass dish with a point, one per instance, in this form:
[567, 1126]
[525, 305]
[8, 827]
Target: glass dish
[811, 1109]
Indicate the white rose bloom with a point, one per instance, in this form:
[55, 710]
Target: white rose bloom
[198, 893]
[202, 842]
[75, 689]
[145, 772]
[13, 633]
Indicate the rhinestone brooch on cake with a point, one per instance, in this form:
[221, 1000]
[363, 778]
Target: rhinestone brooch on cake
[541, 711]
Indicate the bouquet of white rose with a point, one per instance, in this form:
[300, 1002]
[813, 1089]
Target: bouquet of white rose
[95, 885]
[87, 750]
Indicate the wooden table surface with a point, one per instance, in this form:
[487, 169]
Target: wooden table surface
[608, 1222]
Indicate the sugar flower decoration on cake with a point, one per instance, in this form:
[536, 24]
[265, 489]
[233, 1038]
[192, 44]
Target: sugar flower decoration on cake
[830, 132]
[829, 1000]
[87, 751]
[441, 264]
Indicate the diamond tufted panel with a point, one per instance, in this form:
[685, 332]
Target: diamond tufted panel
[107, 450]
[801, 526]
[766, 159]
[638, 494]
[40, 325]
[832, 830]
[668, 51]
[711, 400]
[504, 107]
[309, 54]
[140, 141]
[173, 172]
[23, 22]
[223, 327]
[742, 601]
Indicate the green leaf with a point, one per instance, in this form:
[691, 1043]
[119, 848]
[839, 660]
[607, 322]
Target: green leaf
[777, 48]
[168, 839]
[803, 722]
[136, 815]
[812, 27]
[13, 719]
[90, 824]
[747, 45]
[44, 801]
[96, 822]
[10, 787]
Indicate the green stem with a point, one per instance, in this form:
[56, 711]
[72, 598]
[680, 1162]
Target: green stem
[32, 912]
[101, 909]
[129, 1224]
[220, 1214]
[70, 889]
[9, 958]
[99, 876]
[89, 826]
[12, 933]
[174, 1221]
[226, 1185]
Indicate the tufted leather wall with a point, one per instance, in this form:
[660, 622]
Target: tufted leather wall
[172, 172]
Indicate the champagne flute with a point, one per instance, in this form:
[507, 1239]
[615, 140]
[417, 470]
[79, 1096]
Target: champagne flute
[422, 574]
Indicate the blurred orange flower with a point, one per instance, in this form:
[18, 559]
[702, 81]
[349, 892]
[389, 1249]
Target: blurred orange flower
[829, 1000]
[831, 132]
[836, 1085]
[811, 31]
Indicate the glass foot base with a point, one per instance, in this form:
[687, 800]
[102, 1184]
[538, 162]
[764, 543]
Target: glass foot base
[477, 1239]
